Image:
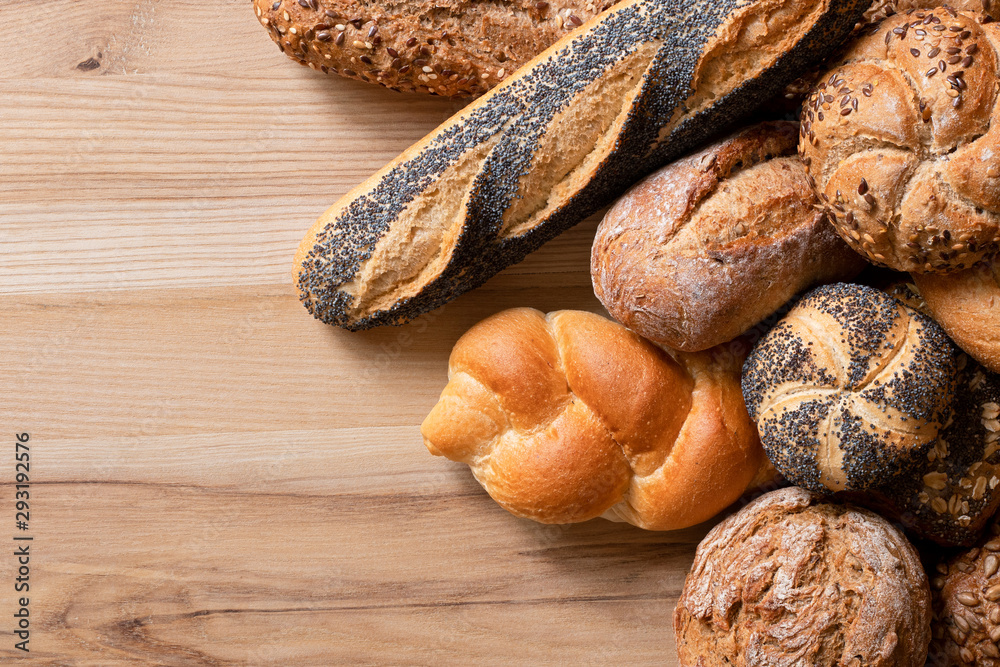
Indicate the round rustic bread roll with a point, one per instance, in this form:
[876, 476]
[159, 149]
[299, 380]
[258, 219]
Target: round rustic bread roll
[851, 389]
[902, 141]
[569, 416]
[967, 306]
[703, 249]
[966, 604]
[444, 47]
[791, 580]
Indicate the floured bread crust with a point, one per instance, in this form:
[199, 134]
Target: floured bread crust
[791, 580]
[701, 250]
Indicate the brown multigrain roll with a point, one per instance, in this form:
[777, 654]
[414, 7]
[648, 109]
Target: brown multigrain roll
[851, 389]
[967, 306]
[792, 580]
[444, 47]
[703, 249]
[879, 11]
[966, 604]
[569, 416]
[952, 497]
[902, 140]
[882, 9]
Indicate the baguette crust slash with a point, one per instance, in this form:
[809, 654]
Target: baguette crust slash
[632, 89]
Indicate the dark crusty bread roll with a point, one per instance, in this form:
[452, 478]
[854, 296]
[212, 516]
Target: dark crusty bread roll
[850, 389]
[953, 497]
[967, 306]
[569, 416]
[639, 85]
[965, 594]
[444, 47]
[708, 246]
[791, 580]
[902, 141]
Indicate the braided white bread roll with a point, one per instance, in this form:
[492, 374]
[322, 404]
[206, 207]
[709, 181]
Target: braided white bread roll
[570, 416]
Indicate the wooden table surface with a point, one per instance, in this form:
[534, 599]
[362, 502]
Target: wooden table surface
[215, 477]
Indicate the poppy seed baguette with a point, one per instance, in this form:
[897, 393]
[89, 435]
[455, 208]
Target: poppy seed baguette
[632, 89]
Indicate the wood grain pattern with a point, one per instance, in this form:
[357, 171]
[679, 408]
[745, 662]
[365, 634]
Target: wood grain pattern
[217, 478]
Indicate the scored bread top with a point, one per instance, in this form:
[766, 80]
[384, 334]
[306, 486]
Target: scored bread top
[792, 580]
[701, 250]
[549, 146]
[850, 389]
[902, 141]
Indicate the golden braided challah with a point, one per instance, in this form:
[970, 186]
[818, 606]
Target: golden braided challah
[570, 416]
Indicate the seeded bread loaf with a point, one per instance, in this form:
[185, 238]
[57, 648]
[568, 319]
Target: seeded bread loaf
[953, 496]
[569, 416]
[967, 306]
[637, 86]
[902, 141]
[793, 581]
[445, 47]
[965, 594]
[882, 9]
[701, 250]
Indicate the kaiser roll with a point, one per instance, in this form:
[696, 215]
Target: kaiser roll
[902, 140]
[851, 389]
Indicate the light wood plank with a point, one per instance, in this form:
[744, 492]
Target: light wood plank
[218, 479]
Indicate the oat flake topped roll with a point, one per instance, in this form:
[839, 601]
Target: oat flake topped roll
[791, 580]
